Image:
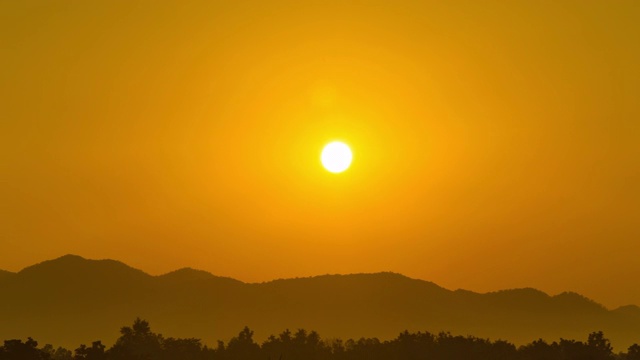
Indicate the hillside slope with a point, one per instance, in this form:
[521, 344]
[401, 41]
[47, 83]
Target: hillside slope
[71, 300]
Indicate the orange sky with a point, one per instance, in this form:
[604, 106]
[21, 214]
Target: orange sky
[496, 143]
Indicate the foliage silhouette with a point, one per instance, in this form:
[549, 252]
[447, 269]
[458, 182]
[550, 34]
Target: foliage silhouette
[58, 354]
[139, 342]
[18, 350]
[95, 352]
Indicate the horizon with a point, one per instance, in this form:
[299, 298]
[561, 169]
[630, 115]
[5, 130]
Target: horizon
[551, 295]
[51, 301]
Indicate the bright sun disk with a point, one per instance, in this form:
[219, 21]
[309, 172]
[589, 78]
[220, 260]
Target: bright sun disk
[336, 157]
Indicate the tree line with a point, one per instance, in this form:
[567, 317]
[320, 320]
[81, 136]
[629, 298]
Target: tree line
[138, 342]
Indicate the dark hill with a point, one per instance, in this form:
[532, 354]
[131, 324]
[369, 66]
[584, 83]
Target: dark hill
[631, 311]
[5, 275]
[72, 268]
[193, 275]
[71, 300]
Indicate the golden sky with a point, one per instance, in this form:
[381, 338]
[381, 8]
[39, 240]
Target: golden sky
[496, 143]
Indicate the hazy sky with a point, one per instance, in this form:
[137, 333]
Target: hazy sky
[496, 143]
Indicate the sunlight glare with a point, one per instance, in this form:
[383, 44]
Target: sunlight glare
[336, 157]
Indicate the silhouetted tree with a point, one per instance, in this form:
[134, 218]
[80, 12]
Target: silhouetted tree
[600, 347]
[276, 347]
[363, 348]
[539, 349]
[57, 354]
[242, 346]
[181, 349]
[574, 350]
[95, 352]
[412, 345]
[633, 352]
[336, 347]
[18, 350]
[218, 353]
[62, 354]
[137, 343]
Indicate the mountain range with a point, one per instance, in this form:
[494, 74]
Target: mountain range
[72, 300]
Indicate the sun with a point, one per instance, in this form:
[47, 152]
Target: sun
[336, 157]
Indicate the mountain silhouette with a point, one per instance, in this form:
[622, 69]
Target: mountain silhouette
[72, 300]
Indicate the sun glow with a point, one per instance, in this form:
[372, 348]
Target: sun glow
[336, 157]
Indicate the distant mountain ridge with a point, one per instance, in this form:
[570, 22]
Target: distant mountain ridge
[5, 274]
[72, 300]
